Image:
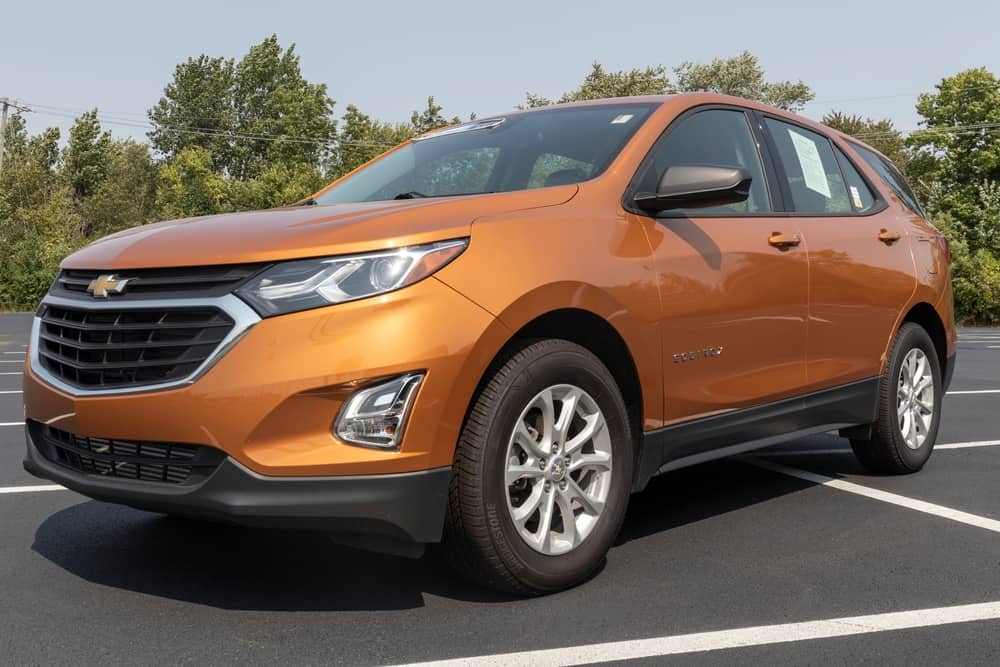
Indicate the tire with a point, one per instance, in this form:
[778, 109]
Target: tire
[890, 451]
[481, 539]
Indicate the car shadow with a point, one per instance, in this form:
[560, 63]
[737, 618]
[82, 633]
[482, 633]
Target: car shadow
[232, 567]
[701, 492]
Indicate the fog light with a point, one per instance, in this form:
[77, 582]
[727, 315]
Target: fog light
[376, 416]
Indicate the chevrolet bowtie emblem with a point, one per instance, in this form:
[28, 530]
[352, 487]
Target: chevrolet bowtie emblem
[102, 287]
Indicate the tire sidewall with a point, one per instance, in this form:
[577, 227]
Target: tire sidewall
[565, 366]
[912, 337]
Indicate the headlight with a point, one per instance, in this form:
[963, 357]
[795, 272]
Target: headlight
[299, 285]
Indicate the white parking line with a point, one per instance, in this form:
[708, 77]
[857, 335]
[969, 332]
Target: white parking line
[847, 450]
[973, 391]
[20, 353]
[809, 452]
[760, 635]
[11, 423]
[10, 391]
[12, 373]
[11, 361]
[32, 489]
[875, 494]
[965, 445]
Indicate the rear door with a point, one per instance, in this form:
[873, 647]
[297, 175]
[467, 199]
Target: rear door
[860, 265]
[733, 279]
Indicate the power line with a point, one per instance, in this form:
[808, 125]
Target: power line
[66, 112]
[989, 128]
[961, 91]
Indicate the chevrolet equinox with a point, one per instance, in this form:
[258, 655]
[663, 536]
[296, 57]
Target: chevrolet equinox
[492, 335]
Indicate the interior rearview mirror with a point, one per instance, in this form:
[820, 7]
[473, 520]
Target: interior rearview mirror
[696, 186]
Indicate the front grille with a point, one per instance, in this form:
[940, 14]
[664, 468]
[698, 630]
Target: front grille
[164, 462]
[186, 282]
[116, 348]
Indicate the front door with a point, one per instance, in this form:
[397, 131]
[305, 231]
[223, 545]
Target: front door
[733, 279]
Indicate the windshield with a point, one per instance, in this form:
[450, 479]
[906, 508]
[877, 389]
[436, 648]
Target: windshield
[501, 154]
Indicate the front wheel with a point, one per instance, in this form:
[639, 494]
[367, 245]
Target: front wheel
[542, 472]
[909, 408]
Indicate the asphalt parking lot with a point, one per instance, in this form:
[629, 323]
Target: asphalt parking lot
[767, 559]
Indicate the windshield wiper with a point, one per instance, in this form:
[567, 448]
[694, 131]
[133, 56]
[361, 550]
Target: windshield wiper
[412, 194]
[307, 202]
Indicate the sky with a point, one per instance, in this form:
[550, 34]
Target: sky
[867, 57]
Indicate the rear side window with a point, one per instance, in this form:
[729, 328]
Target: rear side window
[814, 178]
[891, 176]
[862, 198]
[716, 137]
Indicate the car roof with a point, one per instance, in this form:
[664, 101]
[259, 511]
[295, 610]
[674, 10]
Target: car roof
[691, 100]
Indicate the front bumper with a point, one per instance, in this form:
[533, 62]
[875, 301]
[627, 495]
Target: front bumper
[393, 512]
[271, 400]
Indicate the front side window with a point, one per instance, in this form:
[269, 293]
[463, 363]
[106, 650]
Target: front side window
[544, 148]
[715, 137]
[811, 169]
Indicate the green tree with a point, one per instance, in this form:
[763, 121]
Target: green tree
[279, 185]
[196, 110]
[362, 138]
[959, 147]
[248, 115]
[127, 196]
[29, 171]
[600, 84]
[35, 240]
[279, 116]
[430, 118]
[881, 135]
[190, 186]
[86, 158]
[742, 76]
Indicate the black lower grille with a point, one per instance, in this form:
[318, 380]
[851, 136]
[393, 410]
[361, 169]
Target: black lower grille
[164, 462]
[128, 347]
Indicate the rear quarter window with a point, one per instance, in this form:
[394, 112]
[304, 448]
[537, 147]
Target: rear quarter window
[888, 172]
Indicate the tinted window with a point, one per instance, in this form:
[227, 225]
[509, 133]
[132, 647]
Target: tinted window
[891, 176]
[814, 177]
[718, 137]
[516, 152]
[551, 169]
[458, 171]
[862, 198]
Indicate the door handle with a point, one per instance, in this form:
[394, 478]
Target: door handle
[782, 242]
[887, 237]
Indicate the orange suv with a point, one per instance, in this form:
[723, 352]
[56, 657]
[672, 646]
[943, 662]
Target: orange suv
[493, 334]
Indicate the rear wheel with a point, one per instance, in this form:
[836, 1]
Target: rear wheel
[909, 409]
[542, 472]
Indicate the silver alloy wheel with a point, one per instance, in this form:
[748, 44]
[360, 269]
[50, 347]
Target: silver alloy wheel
[558, 469]
[915, 398]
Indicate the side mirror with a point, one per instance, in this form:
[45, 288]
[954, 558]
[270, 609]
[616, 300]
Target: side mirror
[696, 186]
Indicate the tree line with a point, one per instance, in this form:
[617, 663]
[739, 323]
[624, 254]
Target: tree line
[230, 135]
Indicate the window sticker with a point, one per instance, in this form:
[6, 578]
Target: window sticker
[811, 163]
[623, 118]
[856, 197]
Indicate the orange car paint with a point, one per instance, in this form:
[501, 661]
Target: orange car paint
[788, 321]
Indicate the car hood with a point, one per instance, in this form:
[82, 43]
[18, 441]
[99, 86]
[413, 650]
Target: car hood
[303, 231]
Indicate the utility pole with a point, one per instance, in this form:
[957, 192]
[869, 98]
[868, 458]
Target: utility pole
[7, 104]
